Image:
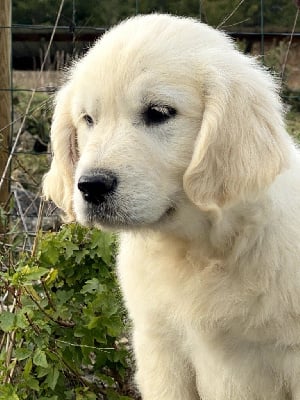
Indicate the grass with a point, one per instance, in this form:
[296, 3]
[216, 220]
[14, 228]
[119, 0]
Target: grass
[293, 124]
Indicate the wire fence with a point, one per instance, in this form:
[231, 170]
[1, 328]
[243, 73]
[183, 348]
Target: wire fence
[28, 155]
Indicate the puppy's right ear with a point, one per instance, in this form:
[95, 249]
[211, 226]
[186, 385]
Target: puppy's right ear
[59, 181]
[242, 145]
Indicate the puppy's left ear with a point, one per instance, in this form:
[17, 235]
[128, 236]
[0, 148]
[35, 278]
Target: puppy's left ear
[59, 181]
[242, 144]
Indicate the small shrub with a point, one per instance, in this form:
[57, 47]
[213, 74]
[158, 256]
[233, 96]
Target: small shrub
[61, 321]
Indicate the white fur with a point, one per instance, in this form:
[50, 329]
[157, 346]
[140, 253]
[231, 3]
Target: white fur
[213, 289]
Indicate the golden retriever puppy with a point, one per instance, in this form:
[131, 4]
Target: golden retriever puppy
[169, 135]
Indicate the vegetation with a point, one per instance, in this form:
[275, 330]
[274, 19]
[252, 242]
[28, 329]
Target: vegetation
[278, 15]
[293, 124]
[33, 141]
[62, 321]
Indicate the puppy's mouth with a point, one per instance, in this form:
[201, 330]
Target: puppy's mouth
[108, 216]
[168, 213]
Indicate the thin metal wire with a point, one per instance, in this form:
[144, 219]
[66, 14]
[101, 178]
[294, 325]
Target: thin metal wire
[77, 29]
[11, 102]
[262, 31]
[200, 10]
[23, 219]
[230, 15]
[46, 90]
[73, 27]
[101, 30]
[289, 45]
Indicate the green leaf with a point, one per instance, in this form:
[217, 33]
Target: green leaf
[33, 383]
[91, 286]
[34, 273]
[27, 368]
[69, 249]
[52, 276]
[41, 372]
[21, 321]
[80, 255]
[51, 254]
[40, 358]
[52, 378]
[112, 395]
[51, 398]
[26, 274]
[22, 354]
[108, 380]
[102, 242]
[7, 392]
[85, 394]
[63, 295]
[114, 326]
[125, 398]
[7, 321]
[94, 321]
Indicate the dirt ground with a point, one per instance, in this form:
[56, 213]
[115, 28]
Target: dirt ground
[36, 80]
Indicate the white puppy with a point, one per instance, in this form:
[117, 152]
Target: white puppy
[166, 133]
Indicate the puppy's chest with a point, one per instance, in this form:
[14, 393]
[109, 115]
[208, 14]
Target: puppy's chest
[180, 289]
[188, 293]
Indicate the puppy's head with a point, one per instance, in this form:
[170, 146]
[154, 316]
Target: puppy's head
[161, 115]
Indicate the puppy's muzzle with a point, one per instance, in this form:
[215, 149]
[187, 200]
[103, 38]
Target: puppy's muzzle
[97, 186]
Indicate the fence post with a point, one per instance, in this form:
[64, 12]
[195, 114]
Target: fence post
[5, 97]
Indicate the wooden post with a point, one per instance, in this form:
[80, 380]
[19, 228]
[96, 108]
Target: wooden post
[5, 96]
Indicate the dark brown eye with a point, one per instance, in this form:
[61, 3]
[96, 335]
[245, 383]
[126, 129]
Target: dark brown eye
[155, 114]
[88, 120]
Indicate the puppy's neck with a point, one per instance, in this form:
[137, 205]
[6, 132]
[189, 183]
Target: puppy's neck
[217, 233]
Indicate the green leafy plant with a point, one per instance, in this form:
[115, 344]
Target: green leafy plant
[62, 321]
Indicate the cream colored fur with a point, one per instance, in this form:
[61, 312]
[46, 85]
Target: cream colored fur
[213, 288]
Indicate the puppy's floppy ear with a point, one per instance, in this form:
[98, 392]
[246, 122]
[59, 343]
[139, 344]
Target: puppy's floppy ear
[58, 182]
[242, 143]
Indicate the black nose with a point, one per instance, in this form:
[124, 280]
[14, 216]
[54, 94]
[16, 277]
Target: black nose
[97, 186]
